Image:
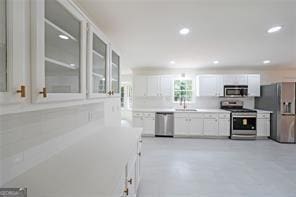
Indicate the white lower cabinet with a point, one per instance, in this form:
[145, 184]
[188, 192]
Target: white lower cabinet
[202, 124]
[145, 121]
[130, 180]
[263, 125]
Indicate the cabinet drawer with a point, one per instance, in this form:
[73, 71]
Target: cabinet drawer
[195, 115]
[224, 116]
[149, 115]
[211, 115]
[263, 116]
[137, 114]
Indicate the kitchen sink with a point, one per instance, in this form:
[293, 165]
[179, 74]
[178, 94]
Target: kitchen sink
[186, 109]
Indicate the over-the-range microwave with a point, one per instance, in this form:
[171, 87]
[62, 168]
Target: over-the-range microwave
[235, 91]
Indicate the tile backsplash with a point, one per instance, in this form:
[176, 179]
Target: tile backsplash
[29, 138]
[200, 102]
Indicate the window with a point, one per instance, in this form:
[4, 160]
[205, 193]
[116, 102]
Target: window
[183, 89]
[3, 47]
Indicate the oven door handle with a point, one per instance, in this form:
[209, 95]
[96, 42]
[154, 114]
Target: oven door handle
[244, 116]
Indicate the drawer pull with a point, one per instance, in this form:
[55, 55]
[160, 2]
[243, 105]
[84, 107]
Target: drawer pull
[140, 154]
[130, 181]
[126, 191]
[22, 91]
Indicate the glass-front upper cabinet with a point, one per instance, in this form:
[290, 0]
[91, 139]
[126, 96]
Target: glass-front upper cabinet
[14, 52]
[59, 45]
[97, 63]
[115, 74]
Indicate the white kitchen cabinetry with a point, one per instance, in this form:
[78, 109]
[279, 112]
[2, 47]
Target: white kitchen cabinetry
[235, 80]
[97, 63]
[14, 52]
[153, 86]
[188, 124]
[58, 51]
[253, 85]
[112, 112]
[263, 124]
[224, 124]
[145, 121]
[211, 126]
[166, 86]
[114, 71]
[140, 86]
[209, 85]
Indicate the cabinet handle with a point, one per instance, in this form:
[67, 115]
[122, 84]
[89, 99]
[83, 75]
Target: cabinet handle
[140, 154]
[126, 191]
[130, 181]
[22, 91]
[43, 92]
[141, 141]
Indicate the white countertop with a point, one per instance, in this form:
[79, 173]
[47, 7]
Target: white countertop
[175, 111]
[91, 167]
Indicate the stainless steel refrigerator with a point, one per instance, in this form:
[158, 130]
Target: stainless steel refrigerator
[280, 99]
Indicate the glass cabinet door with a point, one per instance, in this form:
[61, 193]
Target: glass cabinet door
[115, 73]
[97, 63]
[3, 47]
[60, 51]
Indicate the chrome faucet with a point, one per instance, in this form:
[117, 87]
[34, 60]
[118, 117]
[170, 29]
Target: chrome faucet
[183, 101]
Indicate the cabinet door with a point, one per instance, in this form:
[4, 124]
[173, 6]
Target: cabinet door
[131, 178]
[58, 51]
[181, 126]
[254, 85]
[166, 86]
[207, 85]
[140, 86]
[14, 51]
[149, 125]
[114, 74]
[263, 127]
[153, 86]
[224, 127]
[235, 80]
[138, 121]
[97, 63]
[196, 126]
[211, 127]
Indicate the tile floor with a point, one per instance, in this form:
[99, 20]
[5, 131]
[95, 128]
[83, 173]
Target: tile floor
[217, 168]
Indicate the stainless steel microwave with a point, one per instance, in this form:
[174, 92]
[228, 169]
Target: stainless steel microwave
[235, 91]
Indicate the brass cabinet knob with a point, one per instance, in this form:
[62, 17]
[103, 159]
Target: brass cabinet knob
[126, 191]
[109, 93]
[130, 181]
[43, 92]
[22, 91]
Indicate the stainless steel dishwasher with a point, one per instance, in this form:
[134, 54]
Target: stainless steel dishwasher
[164, 124]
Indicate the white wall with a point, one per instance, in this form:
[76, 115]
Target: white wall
[29, 138]
[267, 77]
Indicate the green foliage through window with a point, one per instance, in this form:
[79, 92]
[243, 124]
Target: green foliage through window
[183, 89]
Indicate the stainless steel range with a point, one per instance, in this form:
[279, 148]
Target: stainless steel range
[243, 122]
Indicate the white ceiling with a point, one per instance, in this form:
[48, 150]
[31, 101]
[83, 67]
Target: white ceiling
[233, 32]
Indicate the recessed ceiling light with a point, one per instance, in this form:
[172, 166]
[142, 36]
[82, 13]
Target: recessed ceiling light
[64, 37]
[172, 62]
[216, 62]
[266, 62]
[274, 29]
[184, 31]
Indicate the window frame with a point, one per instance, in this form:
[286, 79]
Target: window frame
[192, 89]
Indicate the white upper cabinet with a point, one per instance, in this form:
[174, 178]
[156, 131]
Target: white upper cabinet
[58, 51]
[209, 85]
[235, 80]
[140, 85]
[114, 82]
[153, 86]
[254, 85]
[14, 52]
[166, 86]
[97, 63]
